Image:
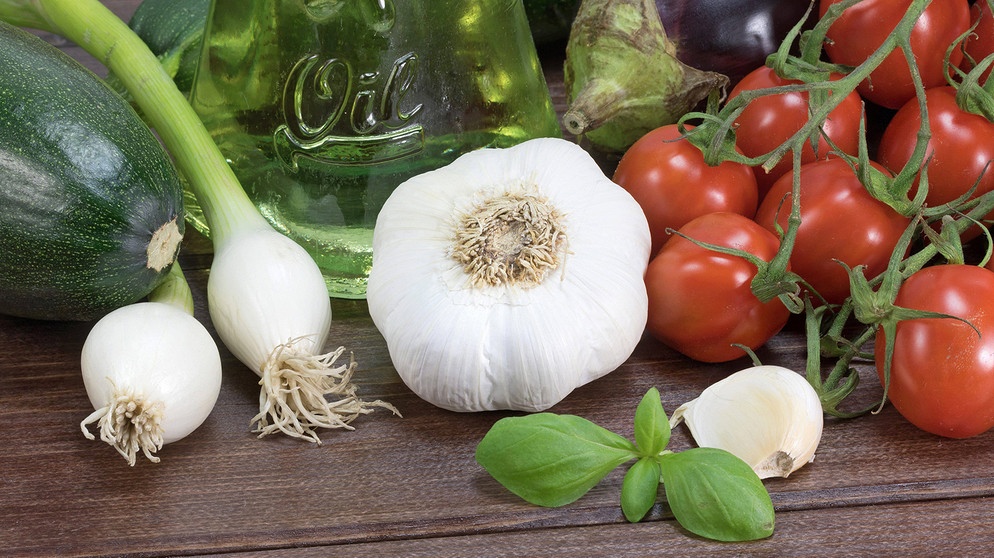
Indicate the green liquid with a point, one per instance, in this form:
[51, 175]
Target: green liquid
[323, 108]
[332, 217]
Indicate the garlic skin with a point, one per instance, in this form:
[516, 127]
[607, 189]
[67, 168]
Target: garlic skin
[768, 416]
[524, 332]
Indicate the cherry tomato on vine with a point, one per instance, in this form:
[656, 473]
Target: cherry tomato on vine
[770, 120]
[863, 27]
[961, 147]
[980, 43]
[701, 301]
[667, 176]
[942, 371]
[840, 220]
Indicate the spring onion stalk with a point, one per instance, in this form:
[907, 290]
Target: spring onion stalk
[151, 370]
[266, 296]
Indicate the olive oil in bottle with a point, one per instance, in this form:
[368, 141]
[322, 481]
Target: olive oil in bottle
[322, 107]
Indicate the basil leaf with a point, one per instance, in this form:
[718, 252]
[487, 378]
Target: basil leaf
[640, 489]
[549, 459]
[652, 428]
[716, 495]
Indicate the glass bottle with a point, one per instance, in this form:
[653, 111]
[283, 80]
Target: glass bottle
[323, 107]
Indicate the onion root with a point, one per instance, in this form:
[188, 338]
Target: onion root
[130, 422]
[295, 389]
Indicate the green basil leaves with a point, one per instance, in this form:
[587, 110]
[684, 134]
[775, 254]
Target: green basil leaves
[552, 460]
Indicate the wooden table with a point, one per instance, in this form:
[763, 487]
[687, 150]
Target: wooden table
[410, 486]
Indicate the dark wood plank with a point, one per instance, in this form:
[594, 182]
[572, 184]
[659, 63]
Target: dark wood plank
[224, 490]
[410, 486]
[881, 530]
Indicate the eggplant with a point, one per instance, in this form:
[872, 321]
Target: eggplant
[730, 37]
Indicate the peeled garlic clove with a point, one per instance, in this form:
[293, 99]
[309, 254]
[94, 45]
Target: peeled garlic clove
[768, 416]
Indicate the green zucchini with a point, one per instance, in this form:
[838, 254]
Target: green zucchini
[91, 213]
[174, 31]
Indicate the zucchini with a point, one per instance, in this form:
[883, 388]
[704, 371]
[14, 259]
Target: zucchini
[173, 31]
[91, 213]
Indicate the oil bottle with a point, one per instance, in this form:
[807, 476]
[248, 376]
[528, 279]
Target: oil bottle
[322, 107]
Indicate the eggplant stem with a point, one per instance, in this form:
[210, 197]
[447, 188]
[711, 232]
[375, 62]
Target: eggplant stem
[598, 101]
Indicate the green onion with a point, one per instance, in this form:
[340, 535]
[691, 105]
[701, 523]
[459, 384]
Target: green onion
[266, 296]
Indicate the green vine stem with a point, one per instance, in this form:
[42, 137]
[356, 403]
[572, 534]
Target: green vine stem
[829, 330]
[714, 133]
[972, 95]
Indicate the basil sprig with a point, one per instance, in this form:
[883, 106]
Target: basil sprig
[552, 460]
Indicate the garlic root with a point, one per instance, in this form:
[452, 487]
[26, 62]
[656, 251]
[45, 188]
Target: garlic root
[295, 389]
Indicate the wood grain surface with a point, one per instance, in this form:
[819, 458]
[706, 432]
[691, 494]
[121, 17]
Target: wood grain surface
[410, 486]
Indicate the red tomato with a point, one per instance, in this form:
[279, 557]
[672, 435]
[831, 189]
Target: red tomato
[962, 144]
[862, 28]
[700, 300]
[980, 43]
[768, 121]
[667, 176]
[942, 371]
[840, 220]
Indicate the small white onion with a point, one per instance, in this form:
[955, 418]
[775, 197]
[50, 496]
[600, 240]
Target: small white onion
[270, 306]
[153, 374]
[509, 333]
[263, 291]
[768, 416]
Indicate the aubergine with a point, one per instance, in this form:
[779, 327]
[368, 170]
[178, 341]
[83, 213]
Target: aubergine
[91, 214]
[730, 37]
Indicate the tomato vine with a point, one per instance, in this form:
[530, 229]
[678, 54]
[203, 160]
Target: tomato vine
[842, 332]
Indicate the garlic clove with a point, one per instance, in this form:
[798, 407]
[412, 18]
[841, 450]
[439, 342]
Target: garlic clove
[768, 416]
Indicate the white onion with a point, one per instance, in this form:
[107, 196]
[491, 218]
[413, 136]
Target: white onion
[270, 306]
[153, 374]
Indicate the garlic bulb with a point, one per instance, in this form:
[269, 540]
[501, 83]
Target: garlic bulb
[509, 277]
[768, 416]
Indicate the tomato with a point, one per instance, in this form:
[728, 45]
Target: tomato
[942, 375]
[840, 220]
[667, 176]
[700, 300]
[862, 28]
[770, 120]
[962, 144]
[980, 43]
